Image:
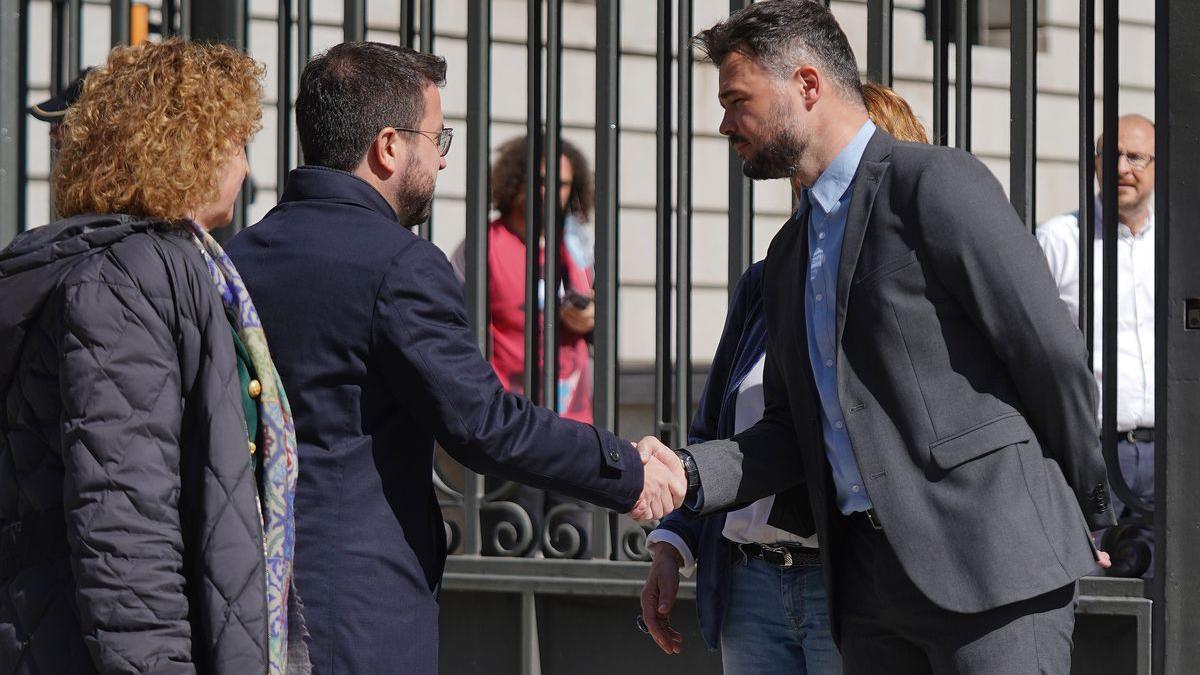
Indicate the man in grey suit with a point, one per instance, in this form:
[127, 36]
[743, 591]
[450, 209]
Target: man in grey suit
[922, 376]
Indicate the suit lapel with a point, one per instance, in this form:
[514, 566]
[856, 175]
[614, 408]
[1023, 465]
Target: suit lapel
[866, 186]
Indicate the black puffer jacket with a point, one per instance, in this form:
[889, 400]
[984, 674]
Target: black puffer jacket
[130, 538]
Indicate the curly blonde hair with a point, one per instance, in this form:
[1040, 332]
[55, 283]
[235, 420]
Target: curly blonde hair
[153, 127]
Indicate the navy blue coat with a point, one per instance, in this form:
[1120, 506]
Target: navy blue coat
[368, 329]
[743, 342]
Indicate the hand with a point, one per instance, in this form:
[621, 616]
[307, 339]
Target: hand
[664, 483]
[1103, 559]
[581, 321]
[658, 596]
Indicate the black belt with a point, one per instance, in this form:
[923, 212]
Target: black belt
[33, 540]
[781, 555]
[1138, 435]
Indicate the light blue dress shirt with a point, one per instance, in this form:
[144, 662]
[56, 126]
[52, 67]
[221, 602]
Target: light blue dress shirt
[829, 199]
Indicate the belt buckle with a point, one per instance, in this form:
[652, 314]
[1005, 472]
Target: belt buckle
[781, 552]
[1130, 437]
[873, 520]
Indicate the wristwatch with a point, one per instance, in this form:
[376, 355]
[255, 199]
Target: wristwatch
[692, 473]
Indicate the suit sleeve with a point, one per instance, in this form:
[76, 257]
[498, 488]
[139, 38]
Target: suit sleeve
[433, 363]
[985, 257]
[122, 414]
[761, 461]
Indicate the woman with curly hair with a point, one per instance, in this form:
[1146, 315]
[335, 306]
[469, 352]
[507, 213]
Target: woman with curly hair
[147, 452]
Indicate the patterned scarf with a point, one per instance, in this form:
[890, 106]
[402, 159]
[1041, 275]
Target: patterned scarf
[279, 467]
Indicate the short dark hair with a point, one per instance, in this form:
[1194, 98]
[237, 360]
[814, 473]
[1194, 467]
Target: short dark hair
[508, 177]
[781, 35]
[350, 92]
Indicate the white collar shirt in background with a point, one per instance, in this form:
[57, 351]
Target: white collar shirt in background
[1059, 239]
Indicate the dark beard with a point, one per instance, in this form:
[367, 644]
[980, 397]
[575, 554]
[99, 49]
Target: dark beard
[414, 199]
[781, 153]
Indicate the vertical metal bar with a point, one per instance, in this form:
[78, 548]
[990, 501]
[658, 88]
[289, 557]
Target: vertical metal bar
[552, 271]
[1177, 469]
[427, 25]
[59, 77]
[58, 45]
[662, 281]
[354, 20]
[683, 227]
[479, 121]
[531, 660]
[1087, 172]
[533, 196]
[608, 69]
[608, 207]
[13, 46]
[741, 207]
[879, 41]
[1109, 223]
[167, 14]
[283, 95]
[408, 23]
[1023, 110]
[303, 33]
[941, 73]
[75, 44]
[962, 76]
[119, 20]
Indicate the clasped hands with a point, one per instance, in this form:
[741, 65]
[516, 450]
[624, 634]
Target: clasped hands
[664, 483]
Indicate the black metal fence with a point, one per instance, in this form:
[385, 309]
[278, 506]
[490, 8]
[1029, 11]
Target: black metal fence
[615, 539]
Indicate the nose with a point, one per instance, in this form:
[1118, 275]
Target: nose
[727, 127]
[441, 163]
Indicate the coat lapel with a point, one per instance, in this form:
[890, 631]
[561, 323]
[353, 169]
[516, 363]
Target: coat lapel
[866, 186]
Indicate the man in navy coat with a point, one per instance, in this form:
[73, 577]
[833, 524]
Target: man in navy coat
[370, 335]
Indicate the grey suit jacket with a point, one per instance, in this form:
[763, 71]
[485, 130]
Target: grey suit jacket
[965, 386]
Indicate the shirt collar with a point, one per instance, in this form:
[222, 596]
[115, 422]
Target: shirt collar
[835, 180]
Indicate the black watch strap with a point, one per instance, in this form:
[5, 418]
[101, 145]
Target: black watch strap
[692, 473]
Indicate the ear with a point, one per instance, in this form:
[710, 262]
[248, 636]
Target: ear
[809, 82]
[387, 153]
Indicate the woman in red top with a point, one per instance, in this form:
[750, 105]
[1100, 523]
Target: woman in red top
[506, 279]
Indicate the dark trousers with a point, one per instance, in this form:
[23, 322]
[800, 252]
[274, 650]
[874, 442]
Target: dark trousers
[888, 626]
[1137, 467]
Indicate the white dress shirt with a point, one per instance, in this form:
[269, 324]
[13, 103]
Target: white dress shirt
[747, 525]
[1059, 239]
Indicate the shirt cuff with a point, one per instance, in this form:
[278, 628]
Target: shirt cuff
[664, 535]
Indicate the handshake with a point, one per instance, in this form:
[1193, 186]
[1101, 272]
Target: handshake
[664, 483]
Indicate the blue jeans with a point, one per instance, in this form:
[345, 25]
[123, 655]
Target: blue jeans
[777, 621]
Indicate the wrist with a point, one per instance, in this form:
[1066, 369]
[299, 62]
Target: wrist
[691, 472]
[660, 549]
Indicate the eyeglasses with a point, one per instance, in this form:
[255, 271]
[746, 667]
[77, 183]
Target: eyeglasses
[440, 138]
[1137, 160]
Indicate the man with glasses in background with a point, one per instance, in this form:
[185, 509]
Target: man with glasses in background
[1134, 378]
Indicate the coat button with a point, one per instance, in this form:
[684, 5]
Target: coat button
[253, 447]
[614, 455]
[254, 389]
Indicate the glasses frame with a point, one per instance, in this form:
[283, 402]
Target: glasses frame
[1142, 162]
[442, 139]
